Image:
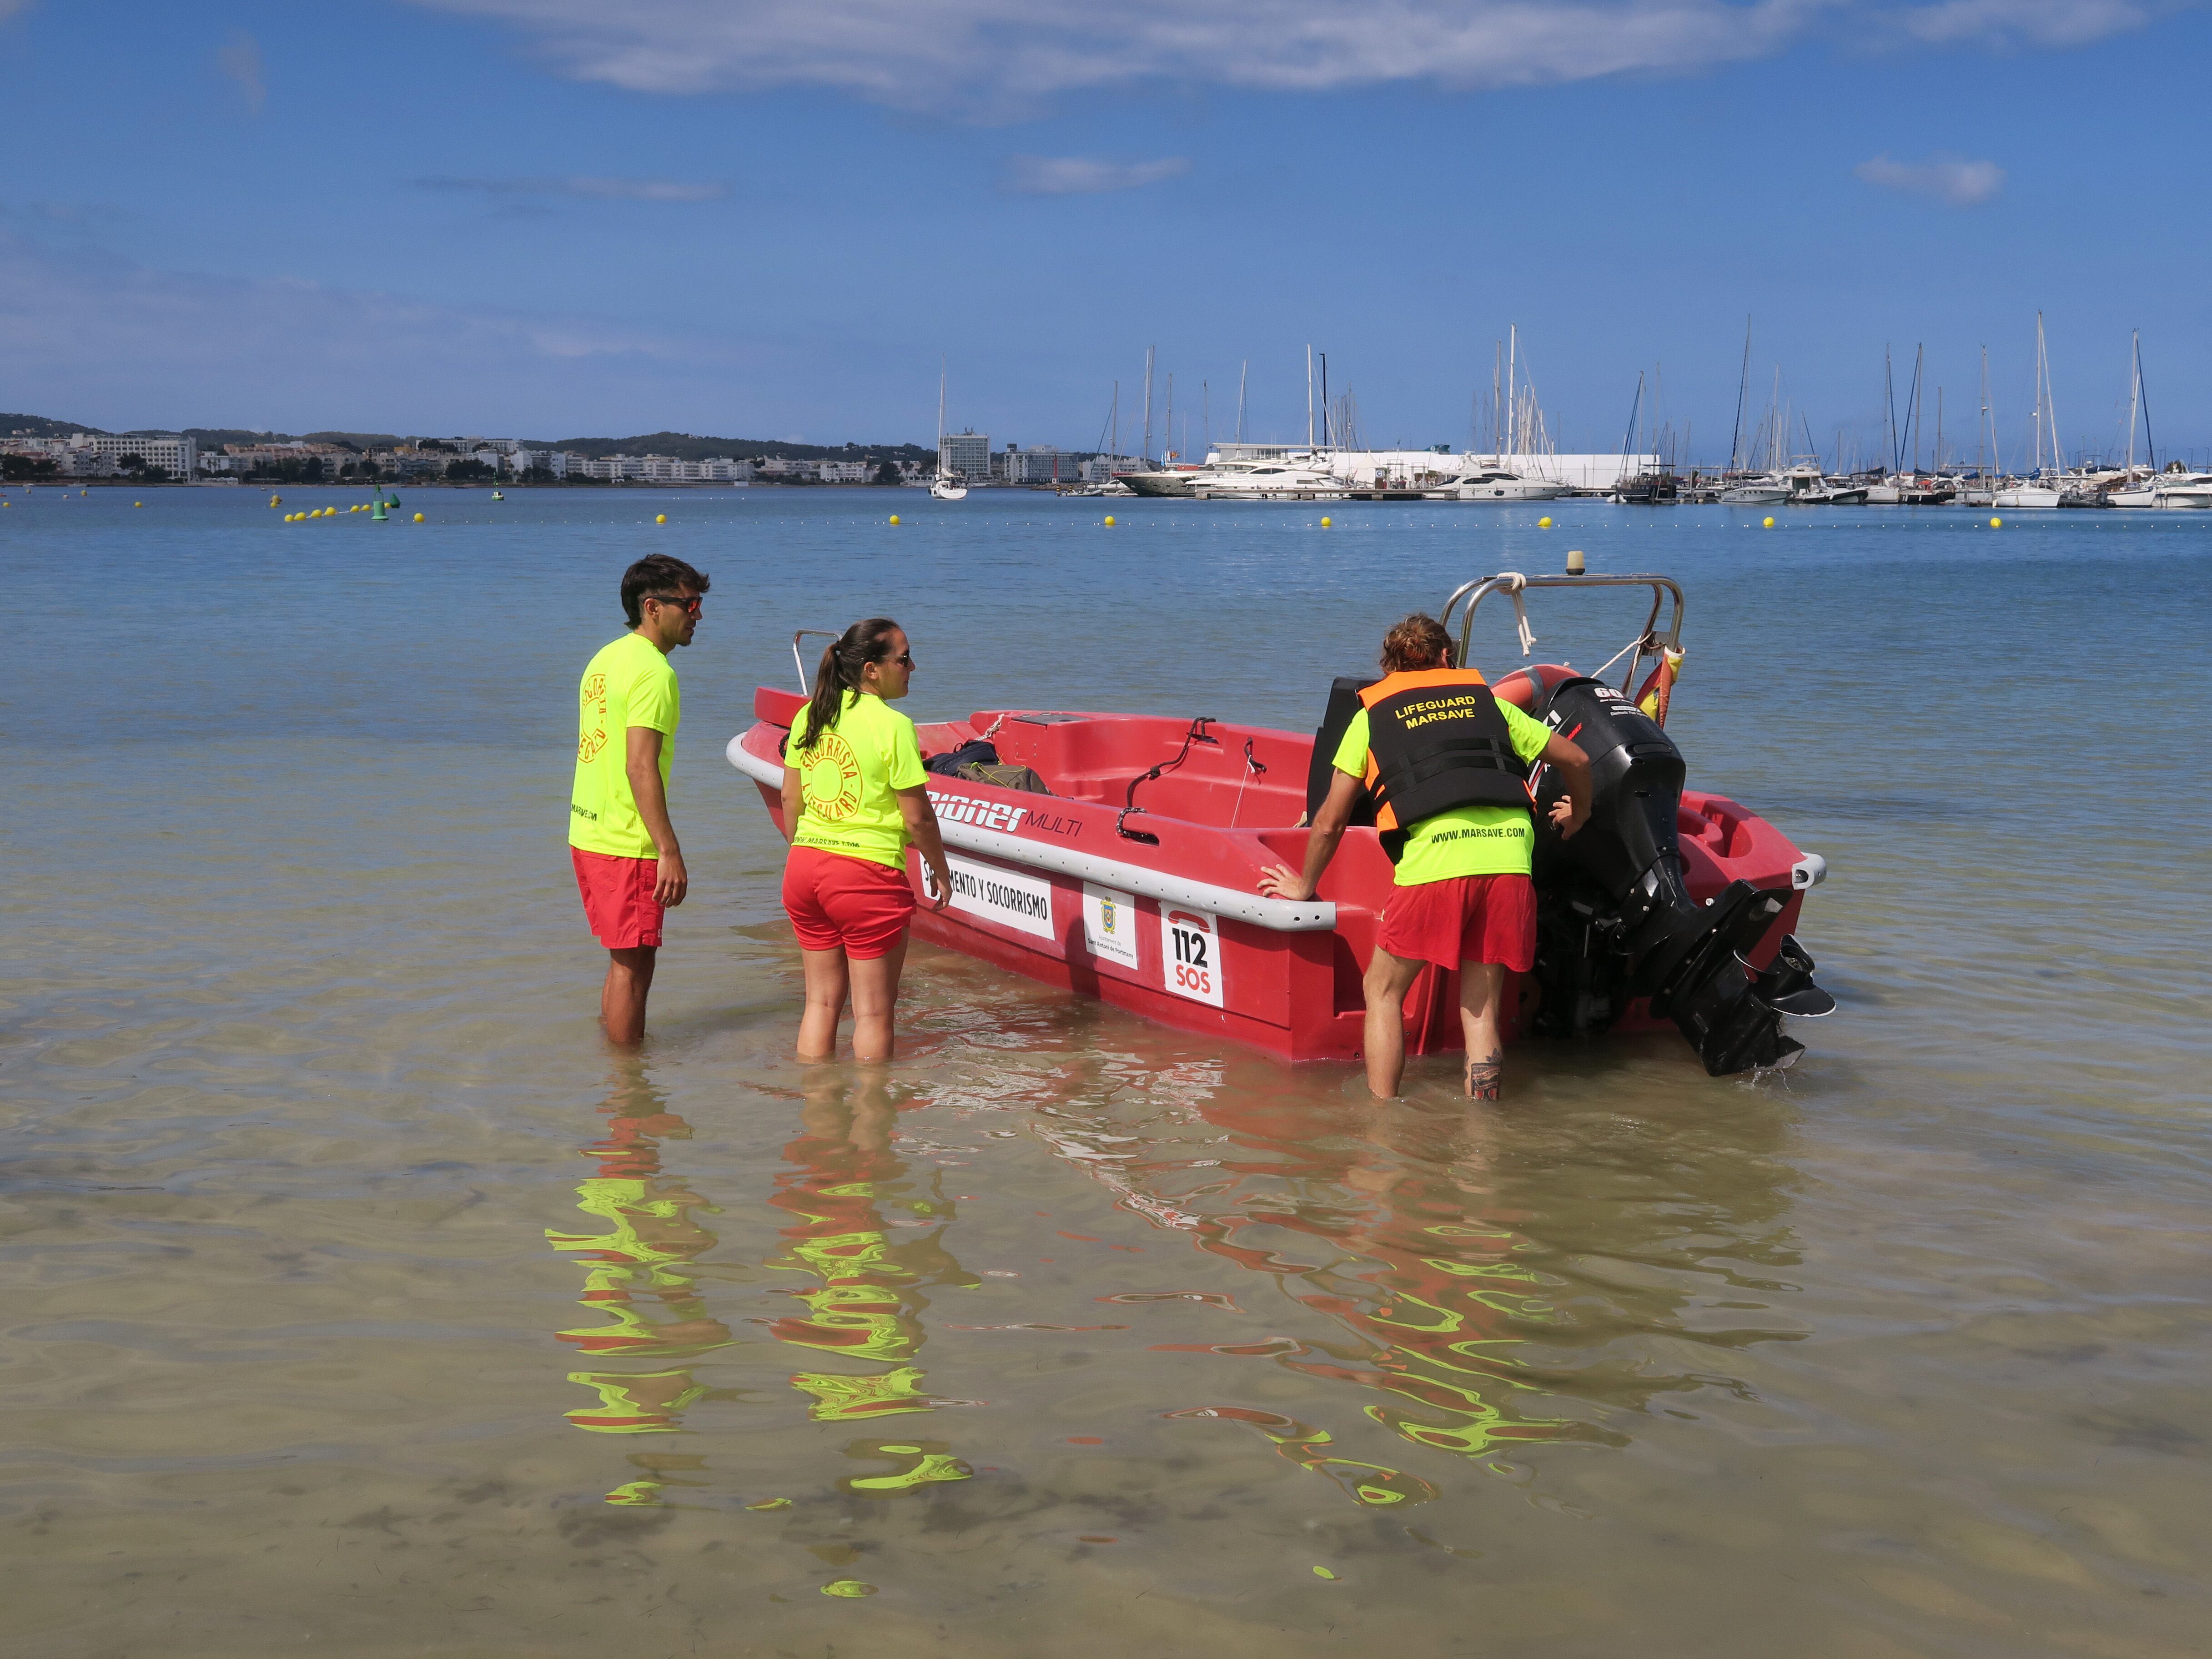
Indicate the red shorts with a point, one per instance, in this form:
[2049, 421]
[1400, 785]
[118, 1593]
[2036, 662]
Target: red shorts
[837, 903]
[618, 905]
[1466, 919]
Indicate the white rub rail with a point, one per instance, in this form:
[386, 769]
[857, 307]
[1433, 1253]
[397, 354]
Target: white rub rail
[1317, 916]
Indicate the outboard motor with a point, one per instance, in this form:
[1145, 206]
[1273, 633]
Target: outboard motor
[1615, 921]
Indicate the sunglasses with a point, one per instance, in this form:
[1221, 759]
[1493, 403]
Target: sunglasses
[691, 605]
[904, 659]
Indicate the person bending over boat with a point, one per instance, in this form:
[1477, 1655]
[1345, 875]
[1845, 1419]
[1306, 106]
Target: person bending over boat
[629, 866]
[1447, 762]
[854, 796]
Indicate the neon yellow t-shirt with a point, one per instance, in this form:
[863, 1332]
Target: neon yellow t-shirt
[629, 683]
[847, 780]
[1467, 841]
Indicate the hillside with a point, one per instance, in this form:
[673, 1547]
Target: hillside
[686, 447]
[39, 426]
[681, 445]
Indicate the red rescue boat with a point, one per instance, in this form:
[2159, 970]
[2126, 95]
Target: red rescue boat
[1131, 875]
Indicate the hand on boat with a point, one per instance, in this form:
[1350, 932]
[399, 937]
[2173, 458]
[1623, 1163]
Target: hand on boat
[1283, 882]
[941, 878]
[1565, 819]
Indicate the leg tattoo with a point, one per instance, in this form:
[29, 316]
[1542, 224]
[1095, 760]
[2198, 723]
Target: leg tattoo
[1483, 1075]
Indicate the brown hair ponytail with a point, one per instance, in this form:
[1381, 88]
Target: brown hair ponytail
[839, 671]
[1415, 643]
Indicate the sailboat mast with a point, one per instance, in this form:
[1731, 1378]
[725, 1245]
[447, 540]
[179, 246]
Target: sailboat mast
[940, 405]
[1986, 429]
[2135, 394]
[1167, 442]
[1496, 397]
[1512, 411]
[1148, 406]
[1889, 408]
[2051, 408]
[1240, 374]
[1742, 390]
[1914, 410]
[1114, 420]
[1310, 427]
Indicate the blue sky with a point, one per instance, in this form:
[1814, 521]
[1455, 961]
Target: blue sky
[764, 218]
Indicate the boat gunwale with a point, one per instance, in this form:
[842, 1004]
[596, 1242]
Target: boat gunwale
[1275, 914]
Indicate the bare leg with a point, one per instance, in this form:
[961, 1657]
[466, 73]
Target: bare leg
[1481, 993]
[1388, 979]
[622, 996]
[875, 994]
[825, 1003]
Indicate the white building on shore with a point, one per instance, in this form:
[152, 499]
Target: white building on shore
[968, 453]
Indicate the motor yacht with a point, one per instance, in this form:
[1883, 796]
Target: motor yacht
[1162, 481]
[1492, 483]
[2170, 488]
[1269, 481]
[1755, 492]
[1809, 487]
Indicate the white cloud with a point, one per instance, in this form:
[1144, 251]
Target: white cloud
[126, 346]
[1084, 175]
[587, 188]
[2039, 22]
[1003, 54]
[1949, 178]
[241, 61]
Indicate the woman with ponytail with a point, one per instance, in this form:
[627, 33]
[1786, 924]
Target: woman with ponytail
[855, 797]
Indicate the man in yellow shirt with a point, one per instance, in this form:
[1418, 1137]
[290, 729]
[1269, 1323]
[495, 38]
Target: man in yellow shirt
[629, 868]
[1447, 762]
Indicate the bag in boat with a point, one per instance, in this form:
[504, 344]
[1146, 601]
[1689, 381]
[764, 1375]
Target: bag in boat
[970, 753]
[1023, 778]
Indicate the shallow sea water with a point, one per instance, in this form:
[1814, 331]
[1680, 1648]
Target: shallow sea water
[360, 1298]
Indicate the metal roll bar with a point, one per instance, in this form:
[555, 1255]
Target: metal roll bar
[804, 690]
[1514, 584]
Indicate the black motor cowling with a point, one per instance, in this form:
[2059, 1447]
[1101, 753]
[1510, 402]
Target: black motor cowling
[1615, 919]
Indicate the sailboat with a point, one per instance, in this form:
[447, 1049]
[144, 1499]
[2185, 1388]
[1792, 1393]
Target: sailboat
[945, 486]
[2044, 487]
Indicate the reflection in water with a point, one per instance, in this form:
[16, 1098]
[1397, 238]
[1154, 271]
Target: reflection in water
[1439, 1256]
[869, 1302]
[639, 1281]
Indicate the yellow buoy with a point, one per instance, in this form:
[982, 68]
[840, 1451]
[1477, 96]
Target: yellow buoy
[893, 518]
[660, 518]
[1997, 523]
[137, 503]
[1109, 521]
[418, 517]
[1324, 521]
[275, 501]
[1543, 524]
[1768, 522]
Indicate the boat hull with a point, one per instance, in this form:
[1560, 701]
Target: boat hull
[1049, 887]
